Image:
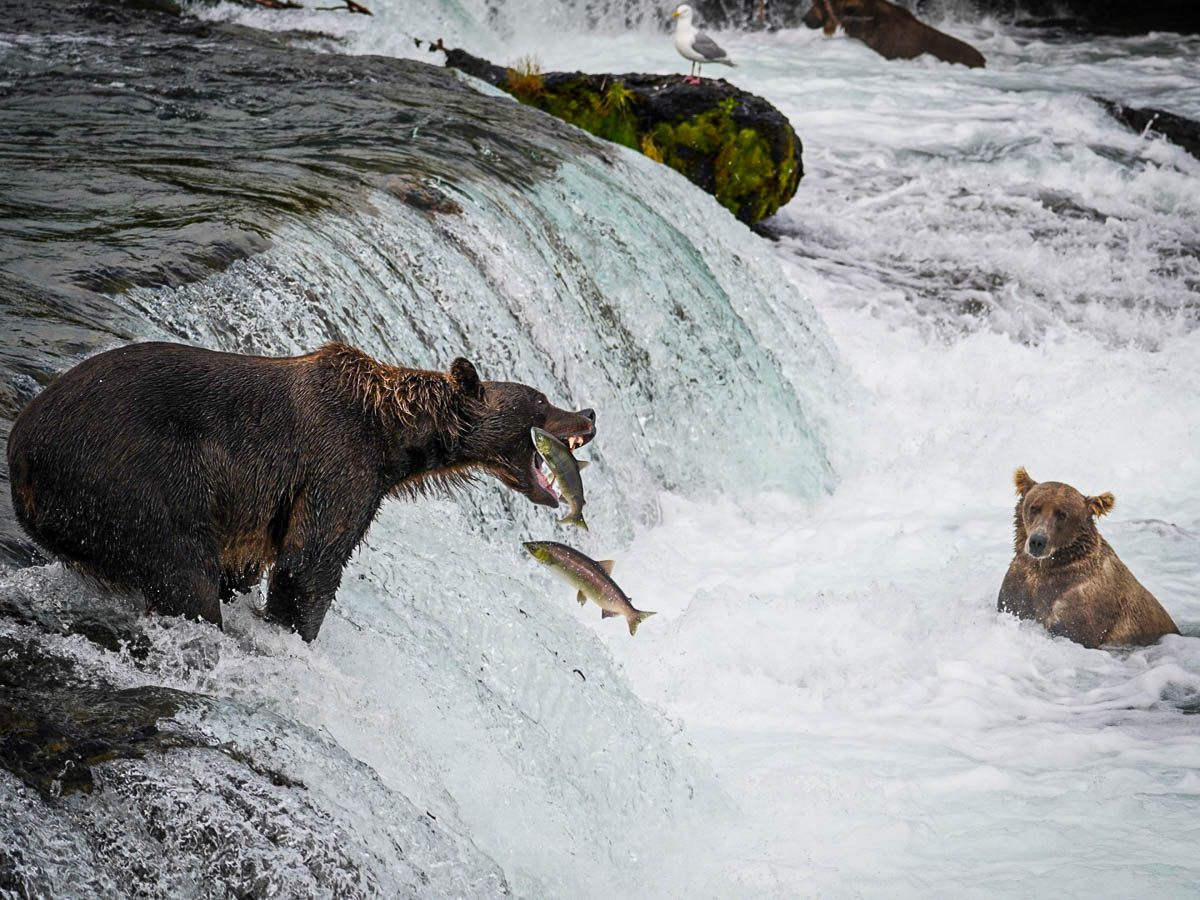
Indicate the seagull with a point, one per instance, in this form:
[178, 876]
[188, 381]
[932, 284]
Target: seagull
[696, 45]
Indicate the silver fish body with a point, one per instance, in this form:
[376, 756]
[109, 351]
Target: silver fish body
[590, 578]
[564, 469]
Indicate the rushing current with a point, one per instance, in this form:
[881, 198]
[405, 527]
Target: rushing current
[803, 464]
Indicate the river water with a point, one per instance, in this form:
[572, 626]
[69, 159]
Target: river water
[803, 464]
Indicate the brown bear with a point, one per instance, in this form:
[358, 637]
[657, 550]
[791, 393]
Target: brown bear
[890, 30]
[186, 473]
[1066, 576]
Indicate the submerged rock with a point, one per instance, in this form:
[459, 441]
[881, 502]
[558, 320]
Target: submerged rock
[731, 143]
[54, 726]
[142, 791]
[1179, 130]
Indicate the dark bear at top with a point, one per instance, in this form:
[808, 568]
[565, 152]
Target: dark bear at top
[186, 473]
[1066, 576]
[891, 31]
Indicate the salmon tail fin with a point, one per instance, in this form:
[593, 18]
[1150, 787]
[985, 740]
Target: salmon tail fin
[637, 620]
[577, 521]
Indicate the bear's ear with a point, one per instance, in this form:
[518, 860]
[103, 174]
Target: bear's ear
[1098, 506]
[1023, 482]
[465, 378]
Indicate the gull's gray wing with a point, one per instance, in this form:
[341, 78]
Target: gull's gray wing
[706, 46]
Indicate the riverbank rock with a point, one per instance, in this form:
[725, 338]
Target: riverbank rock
[1097, 16]
[731, 143]
[1084, 16]
[1179, 130]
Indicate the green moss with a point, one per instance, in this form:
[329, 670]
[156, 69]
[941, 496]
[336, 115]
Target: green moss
[607, 114]
[734, 164]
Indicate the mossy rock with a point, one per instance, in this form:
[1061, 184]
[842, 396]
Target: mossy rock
[731, 143]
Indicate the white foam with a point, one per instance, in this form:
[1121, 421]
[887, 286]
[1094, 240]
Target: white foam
[1011, 279]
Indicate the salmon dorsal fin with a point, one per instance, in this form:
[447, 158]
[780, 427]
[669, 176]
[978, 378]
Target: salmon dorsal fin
[606, 613]
[581, 598]
[605, 564]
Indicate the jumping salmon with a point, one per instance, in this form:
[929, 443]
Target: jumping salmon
[564, 471]
[589, 577]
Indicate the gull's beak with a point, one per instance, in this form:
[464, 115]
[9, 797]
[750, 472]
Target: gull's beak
[674, 15]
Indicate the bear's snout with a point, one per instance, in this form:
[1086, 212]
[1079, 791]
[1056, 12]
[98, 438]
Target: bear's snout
[1037, 544]
[589, 414]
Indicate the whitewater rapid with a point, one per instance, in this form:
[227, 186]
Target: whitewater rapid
[1012, 279]
[827, 703]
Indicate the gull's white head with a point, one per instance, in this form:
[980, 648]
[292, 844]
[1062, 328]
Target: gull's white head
[682, 11]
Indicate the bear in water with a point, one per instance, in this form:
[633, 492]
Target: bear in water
[186, 473]
[890, 30]
[1066, 576]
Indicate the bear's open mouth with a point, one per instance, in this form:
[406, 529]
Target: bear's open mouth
[541, 481]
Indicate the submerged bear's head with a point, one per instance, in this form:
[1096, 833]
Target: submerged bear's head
[1053, 516]
[496, 437]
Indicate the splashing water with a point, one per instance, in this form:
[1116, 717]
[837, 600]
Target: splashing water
[827, 701]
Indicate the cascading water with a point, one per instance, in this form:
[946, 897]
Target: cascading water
[453, 713]
[817, 506]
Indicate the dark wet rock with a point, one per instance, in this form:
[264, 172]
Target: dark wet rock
[54, 726]
[731, 143]
[750, 15]
[110, 791]
[114, 627]
[168, 7]
[1179, 130]
[421, 195]
[1091, 16]
[17, 551]
[1068, 205]
[1086, 16]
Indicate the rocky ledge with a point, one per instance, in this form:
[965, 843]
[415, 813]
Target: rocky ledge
[731, 143]
[1179, 130]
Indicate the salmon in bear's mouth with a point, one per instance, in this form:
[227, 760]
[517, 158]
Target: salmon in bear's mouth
[541, 491]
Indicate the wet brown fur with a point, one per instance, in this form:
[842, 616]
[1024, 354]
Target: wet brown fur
[1078, 587]
[890, 30]
[187, 474]
[403, 396]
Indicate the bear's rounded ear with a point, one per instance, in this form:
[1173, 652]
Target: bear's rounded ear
[1023, 482]
[1098, 506]
[465, 378]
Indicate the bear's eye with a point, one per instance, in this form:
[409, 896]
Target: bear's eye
[1059, 515]
[1034, 510]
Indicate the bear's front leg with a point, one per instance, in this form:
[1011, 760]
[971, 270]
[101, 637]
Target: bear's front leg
[299, 595]
[1073, 617]
[186, 587]
[315, 550]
